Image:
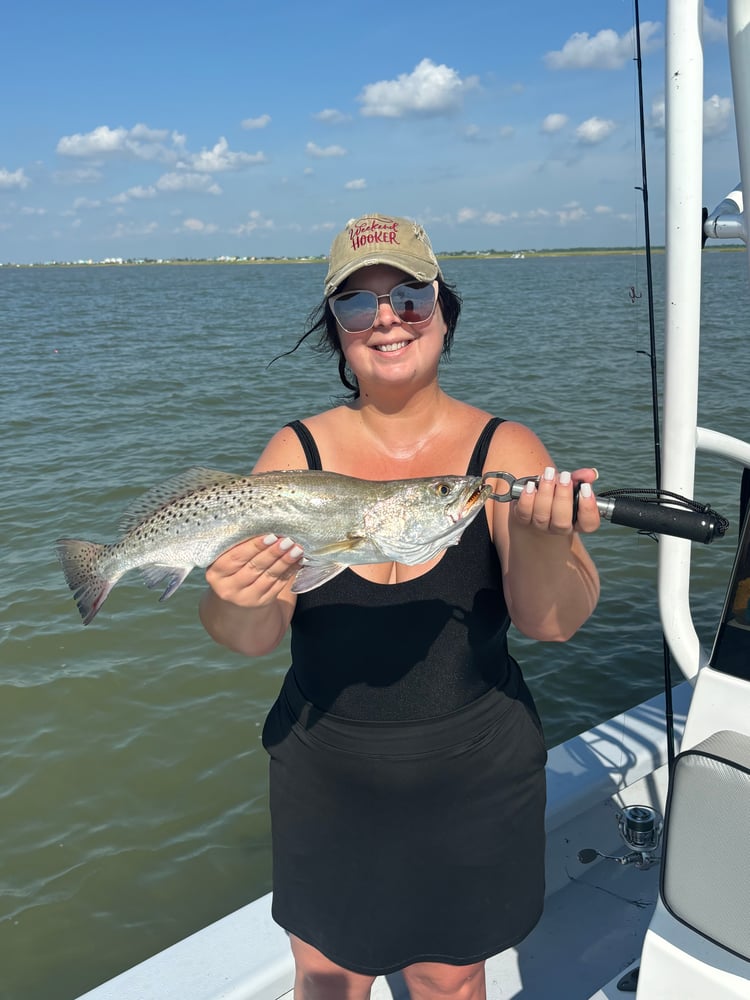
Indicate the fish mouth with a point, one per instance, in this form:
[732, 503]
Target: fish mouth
[478, 496]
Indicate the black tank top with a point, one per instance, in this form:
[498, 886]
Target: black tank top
[411, 650]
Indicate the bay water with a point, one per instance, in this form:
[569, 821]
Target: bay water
[133, 802]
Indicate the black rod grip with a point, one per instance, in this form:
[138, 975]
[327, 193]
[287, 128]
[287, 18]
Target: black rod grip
[660, 519]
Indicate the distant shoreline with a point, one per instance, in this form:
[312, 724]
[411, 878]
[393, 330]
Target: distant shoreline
[469, 255]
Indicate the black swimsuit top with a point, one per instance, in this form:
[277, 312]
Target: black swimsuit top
[411, 650]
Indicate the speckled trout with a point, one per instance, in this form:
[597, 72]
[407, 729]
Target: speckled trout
[339, 521]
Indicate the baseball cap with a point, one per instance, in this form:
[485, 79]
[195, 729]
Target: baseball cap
[380, 239]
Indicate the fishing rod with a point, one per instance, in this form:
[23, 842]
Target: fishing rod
[647, 247]
[668, 704]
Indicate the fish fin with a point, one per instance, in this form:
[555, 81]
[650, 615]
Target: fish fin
[348, 544]
[170, 490]
[314, 575]
[80, 561]
[154, 575]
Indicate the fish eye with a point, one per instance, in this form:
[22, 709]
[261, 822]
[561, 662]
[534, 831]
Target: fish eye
[443, 489]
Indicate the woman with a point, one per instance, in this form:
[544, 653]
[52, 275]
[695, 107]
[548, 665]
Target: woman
[407, 760]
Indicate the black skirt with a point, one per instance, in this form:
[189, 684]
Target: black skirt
[396, 843]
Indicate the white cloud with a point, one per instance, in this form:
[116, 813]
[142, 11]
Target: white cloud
[220, 158]
[149, 144]
[139, 142]
[428, 90]
[80, 203]
[79, 175]
[714, 28]
[356, 185]
[331, 116]
[13, 179]
[594, 130]
[137, 193]
[101, 140]
[322, 153]
[570, 213]
[717, 115]
[658, 112]
[554, 122]
[187, 182]
[125, 229]
[197, 226]
[605, 50]
[466, 215]
[496, 218]
[260, 122]
[255, 221]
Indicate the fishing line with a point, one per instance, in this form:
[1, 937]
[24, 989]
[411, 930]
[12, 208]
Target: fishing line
[668, 706]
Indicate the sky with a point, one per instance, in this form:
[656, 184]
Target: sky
[257, 129]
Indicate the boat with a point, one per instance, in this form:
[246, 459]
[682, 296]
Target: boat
[648, 881]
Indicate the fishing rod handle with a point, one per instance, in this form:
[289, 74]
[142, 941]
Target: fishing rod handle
[659, 519]
[655, 518]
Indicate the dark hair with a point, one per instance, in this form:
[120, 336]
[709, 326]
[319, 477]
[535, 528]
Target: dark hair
[322, 322]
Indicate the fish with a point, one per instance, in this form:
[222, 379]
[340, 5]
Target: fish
[338, 520]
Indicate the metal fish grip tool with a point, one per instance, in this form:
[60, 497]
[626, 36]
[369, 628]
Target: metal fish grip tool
[653, 512]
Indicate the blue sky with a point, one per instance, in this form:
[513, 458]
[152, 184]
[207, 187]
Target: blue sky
[257, 129]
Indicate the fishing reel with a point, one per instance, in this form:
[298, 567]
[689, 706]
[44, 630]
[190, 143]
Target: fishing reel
[640, 827]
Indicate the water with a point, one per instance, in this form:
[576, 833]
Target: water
[133, 784]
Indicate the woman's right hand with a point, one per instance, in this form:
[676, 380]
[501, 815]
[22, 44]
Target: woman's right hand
[253, 573]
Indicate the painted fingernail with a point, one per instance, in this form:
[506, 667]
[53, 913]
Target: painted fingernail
[270, 539]
[530, 486]
[549, 474]
[585, 490]
[295, 552]
[596, 473]
[285, 544]
[564, 478]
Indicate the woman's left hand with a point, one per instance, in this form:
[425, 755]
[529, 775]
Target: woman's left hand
[548, 505]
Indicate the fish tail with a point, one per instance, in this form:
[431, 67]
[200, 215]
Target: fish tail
[81, 563]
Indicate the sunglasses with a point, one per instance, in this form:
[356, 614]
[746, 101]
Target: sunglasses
[412, 302]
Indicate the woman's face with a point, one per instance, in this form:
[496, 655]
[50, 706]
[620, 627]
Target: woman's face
[392, 350]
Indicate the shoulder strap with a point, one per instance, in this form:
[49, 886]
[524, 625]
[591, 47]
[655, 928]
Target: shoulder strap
[307, 441]
[479, 455]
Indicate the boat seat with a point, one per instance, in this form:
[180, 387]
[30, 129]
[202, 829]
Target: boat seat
[698, 943]
[707, 830]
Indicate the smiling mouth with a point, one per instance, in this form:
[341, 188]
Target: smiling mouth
[386, 348]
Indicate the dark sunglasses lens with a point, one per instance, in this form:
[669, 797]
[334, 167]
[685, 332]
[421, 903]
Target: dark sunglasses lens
[414, 301]
[355, 311]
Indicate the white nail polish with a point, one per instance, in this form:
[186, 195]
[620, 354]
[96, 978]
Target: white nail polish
[549, 474]
[564, 478]
[530, 487]
[295, 552]
[270, 539]
[285, 544]
[585, 490]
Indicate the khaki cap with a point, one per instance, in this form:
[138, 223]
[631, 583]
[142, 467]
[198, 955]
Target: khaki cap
[380, 239]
